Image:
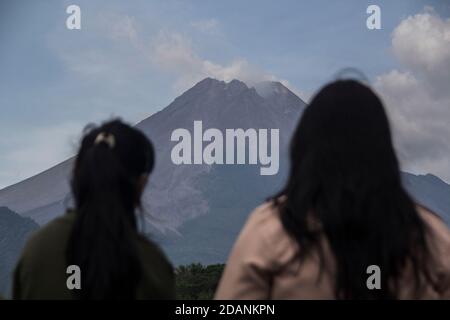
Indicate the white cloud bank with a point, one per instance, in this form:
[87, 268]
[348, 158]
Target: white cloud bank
[207, 25]
[418, 98]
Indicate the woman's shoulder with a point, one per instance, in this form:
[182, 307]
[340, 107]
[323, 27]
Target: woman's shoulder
[435, 223]
[438, 230]
[266, 233]
[158, 273]
[50, 236]
[152, 255]
[439, 245]
[266, 218]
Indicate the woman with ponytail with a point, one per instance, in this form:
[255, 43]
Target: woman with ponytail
[100, 235]
[343, 226]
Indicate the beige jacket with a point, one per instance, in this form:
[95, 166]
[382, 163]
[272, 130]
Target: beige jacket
[263, 263]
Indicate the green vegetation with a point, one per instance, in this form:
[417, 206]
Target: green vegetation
[197, 282]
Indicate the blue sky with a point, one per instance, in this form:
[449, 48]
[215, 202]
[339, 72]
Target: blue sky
[132, 58]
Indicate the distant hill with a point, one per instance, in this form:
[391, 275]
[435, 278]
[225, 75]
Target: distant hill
[14, 231]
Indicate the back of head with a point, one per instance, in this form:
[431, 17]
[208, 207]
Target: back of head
[108, 177]
[345, 174]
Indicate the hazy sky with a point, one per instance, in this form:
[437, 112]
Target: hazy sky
[132, 58]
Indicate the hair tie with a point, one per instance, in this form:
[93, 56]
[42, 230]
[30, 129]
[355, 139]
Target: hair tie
[107, 138]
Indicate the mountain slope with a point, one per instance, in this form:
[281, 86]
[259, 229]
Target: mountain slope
[41, 197]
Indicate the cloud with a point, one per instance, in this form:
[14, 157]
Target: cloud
[168, 52]
[417, 98]
[172, 52]
[422, 43]
[124, 27]
[207, 26]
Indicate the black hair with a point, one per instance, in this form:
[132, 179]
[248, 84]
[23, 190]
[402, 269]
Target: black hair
[345, 177]
[107, 182]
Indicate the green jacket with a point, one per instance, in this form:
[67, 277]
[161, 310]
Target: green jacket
[41, 270]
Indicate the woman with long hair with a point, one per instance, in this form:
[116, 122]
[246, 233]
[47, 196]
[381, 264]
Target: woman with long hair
[99, 237]
[343, 227]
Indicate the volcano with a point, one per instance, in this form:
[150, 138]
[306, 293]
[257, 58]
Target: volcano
[197, 210]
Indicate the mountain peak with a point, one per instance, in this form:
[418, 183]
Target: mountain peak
[236, 84]
[210, 87]
[207, 81]
[265, 89]
[269, 88]
[214, 83]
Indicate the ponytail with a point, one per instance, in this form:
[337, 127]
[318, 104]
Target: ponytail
[105, 186]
